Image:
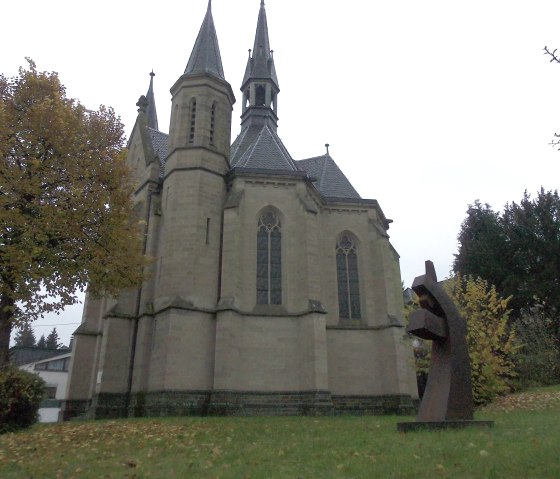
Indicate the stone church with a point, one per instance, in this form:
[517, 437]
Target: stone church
[273, 288]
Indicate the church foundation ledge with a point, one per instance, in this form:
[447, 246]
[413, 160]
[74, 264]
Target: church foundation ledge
[235, 403]
[366, 405]
[363, 327]
[271, 403]
[74, 409]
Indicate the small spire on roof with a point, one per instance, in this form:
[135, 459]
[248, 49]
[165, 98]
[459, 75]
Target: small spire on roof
[327, 147]
[150, 109]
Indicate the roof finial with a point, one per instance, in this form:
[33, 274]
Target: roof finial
[142, 104]
[327, 146]
[262, 3]
[152, 74]
[209, 5]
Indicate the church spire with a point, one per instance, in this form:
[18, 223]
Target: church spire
[205, 57]
[151, 108]
[260, 83]
[261, 64]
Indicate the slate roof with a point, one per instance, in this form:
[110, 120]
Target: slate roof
[261, 147]
[159, 143]
[329, 178]
[205, 57]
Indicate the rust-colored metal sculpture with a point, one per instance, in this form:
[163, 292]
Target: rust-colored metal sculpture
[447, 400]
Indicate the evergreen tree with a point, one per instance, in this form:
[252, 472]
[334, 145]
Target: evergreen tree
[482, 246]
[25, 336]
[518, 251]
[42, 343]
[53, 341]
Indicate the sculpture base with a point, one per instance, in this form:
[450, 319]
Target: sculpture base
[434, 425]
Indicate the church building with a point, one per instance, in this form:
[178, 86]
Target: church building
[273, 288]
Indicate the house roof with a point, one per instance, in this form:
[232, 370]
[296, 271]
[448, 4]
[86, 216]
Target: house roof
[259, 146]
[205, 57]
[328, 178]
[24, 355]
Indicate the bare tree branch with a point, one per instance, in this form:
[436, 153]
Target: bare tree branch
[552, 54]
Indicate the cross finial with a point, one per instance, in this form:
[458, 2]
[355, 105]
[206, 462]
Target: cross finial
[327, 147]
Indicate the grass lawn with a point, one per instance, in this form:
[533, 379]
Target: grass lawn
[525, 443]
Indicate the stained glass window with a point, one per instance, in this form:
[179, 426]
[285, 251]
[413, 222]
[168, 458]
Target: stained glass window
[348, 279]
[269, 259]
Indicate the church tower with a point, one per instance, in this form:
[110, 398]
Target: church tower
[192, 198]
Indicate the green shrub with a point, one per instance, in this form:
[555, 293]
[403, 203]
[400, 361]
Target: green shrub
[538, 362]
[20, 395]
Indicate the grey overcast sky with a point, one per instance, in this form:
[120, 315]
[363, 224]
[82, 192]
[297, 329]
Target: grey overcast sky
[427, 105]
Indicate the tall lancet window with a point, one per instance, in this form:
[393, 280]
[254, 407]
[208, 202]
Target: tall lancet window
[212, 122]
[269, 258]
[193, 120]
[347, 276]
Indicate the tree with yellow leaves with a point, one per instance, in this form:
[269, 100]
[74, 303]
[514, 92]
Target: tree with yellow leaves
[65, 202]
[492, 343]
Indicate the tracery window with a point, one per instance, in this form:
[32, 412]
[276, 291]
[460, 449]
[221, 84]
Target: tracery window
[269, 258]
[347, 277]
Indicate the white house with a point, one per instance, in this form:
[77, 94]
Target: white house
[54, 371]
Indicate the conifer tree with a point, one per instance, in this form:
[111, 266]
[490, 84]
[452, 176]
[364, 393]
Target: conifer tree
[25, 336]
[53, 341]
[42, 343]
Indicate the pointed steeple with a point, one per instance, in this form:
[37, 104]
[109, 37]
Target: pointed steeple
[205, 57]
[261, 64]
[260, 83]
[151, 108]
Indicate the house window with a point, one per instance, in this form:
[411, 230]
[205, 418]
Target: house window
[269, 259]
[347, 278]
[50, 392]
[55, 365]
[193, 120]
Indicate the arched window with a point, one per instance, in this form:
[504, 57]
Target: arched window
[193, 120]
[260, 95]
[269, 258]
[347, 277]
